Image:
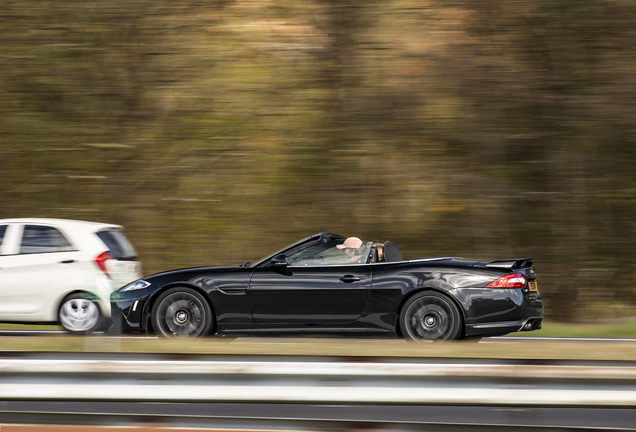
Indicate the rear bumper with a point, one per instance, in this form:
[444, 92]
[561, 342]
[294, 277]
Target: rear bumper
[506, 311]
[502, 328]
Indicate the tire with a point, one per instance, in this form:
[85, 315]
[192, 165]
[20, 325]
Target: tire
[430, 317]
[181, 312]
[78, 314]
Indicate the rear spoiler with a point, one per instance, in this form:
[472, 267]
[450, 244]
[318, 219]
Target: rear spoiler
[511, 264]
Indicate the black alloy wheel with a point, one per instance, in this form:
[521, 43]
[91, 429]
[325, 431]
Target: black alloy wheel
[430, 317]
[181, 312]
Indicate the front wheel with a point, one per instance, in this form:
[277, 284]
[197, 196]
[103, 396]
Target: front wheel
[78, 314]
[181, 312]
[430, 317]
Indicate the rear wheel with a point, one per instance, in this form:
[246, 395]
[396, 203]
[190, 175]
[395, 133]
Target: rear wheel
[181, 312]
[78, 314]
[430, 317]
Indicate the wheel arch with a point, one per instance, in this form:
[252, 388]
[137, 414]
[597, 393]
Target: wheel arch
[146, 321]
[87, 294]
[416, 291]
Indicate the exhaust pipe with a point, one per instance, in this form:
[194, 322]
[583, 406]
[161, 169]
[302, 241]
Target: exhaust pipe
[527, 326]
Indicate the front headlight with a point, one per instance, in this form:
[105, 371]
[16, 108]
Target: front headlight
[136, 285]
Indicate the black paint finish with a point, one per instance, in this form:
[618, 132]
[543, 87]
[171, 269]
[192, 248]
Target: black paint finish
[341, 299]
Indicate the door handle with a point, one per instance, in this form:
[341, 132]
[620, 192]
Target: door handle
[349, 278]
[67, 261]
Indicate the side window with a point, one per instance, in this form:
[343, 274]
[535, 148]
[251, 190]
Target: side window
[320, 254]
[43, 239]
[3, 229]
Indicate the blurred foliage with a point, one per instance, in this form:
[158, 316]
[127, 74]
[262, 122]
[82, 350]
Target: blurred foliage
[540, 350]
[219, 131]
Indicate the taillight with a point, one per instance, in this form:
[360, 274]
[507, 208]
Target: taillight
[101, 259]
[512, 280]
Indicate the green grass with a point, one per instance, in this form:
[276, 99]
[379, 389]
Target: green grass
[617, 329]
[29, 327]
[543, 350]
[624, 328]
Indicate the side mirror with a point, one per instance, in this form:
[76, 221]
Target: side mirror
[279, 260]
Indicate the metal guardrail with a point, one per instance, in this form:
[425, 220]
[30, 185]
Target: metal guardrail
[398, 395]
[319, 382]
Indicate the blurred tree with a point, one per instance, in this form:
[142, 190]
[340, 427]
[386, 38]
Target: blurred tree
[219, 131]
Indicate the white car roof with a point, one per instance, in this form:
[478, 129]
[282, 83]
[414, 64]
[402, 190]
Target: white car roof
[62, 223]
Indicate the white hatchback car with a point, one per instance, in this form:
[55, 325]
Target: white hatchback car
[62, 271]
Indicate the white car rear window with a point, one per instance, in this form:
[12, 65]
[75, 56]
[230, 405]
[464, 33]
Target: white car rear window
[118, 245]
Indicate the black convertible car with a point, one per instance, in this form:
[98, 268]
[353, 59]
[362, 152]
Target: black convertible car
[328, 285]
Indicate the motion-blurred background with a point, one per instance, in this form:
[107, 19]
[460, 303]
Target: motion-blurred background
[218, 132]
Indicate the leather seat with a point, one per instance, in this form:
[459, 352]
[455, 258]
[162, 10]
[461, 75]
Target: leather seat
[392, 252]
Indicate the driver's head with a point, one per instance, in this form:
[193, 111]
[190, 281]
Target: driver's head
[352, 247]
[351, 243]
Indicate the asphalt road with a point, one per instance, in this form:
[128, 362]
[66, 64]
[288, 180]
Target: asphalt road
[309, 417]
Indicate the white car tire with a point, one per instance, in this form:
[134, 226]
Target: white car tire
[78, 314]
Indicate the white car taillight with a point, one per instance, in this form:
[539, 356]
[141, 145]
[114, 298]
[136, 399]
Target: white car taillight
[101, 259]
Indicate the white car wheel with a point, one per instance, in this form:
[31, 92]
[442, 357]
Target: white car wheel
[79, 315]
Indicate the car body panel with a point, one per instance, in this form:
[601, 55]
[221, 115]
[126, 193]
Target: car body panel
[20, 295]
[333, 299]
[309, 295]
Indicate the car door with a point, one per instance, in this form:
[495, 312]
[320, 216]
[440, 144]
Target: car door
[313, 289]
[32, 268]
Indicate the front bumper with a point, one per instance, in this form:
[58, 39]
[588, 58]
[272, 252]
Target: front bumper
[128, 312]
